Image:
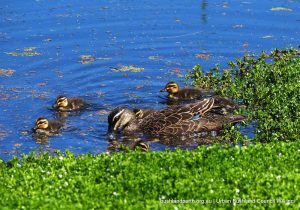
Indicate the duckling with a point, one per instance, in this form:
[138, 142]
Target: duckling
[43, 126]
[65, 104]
[127, 145]
[175, 120]
[174, 93]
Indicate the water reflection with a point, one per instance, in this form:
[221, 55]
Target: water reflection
[117, 142]
[204, 4]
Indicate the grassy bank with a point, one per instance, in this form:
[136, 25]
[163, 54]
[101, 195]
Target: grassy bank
[264, 175]
[137, 180]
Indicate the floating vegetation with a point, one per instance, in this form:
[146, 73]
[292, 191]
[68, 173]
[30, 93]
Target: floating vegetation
[154, 58]
[103, 112]
[17, 145]
[104, 59]
[47, 40]
[41, 84]
[238, 26]
[245, 45]
[87, 59]
[24, 132]
[7, 72]
[63, 15]
[3, 133]
[4, 97]
[203, 56]
[131, 68]
[176, 71]
[140, 87]
[132, 95]
[28, 51]
[281, 9]
[267, 37]
[41, 95]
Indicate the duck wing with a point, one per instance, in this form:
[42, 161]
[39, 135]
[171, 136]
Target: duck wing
[208, 122]
[190, 93]
[221, 102]
[142, 113]
[77, 103]
[55, 126]
[175, 116]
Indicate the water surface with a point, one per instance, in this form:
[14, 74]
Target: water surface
[44, 40]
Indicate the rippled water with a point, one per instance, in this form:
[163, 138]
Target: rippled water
[43, 41]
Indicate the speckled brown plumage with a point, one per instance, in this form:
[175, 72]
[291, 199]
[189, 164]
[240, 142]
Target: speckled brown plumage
[186, 94]
[52, 126]
[174, 93]
[221, 106]
[142, 113]
[74, 104]
[129, 144]
[175, 120]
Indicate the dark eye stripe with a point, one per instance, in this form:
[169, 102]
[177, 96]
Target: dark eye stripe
[60, 100]
[117, 116]
[172, 86]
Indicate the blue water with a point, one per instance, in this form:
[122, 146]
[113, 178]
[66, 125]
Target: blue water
[163, 37]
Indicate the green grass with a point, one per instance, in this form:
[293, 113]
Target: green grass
[267, 85]
[139, 180]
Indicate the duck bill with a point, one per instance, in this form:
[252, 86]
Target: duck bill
[163, 90]
[111, 129]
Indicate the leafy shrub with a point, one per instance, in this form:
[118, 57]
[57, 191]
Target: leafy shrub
[269, 86]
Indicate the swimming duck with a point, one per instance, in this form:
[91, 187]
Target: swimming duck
[65, 104]
[221, 106]
[174, 93]
[175, 120]
[127, 145]
[47, 127]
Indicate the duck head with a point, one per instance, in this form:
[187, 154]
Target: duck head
[171, 87]
[120, 118]
[61, 101]
[41, 123]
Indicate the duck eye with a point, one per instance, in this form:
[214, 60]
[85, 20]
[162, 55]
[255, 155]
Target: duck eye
[172, 87]
[60, 100]
[117, 116]
[39, 123]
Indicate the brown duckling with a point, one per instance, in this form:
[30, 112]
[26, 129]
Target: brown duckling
[65, 104]
[175, 120]
[47, 127]
[127, 145]
[174, 93]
